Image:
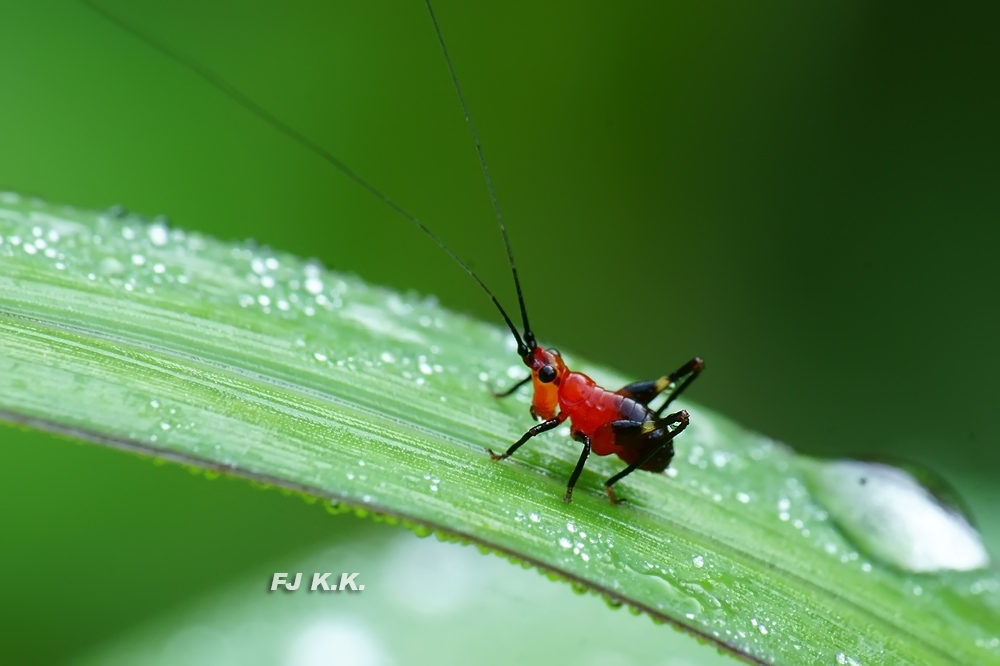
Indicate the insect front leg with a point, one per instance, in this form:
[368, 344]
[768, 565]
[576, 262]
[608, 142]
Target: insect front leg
[540, 428]
[512, 389]
[645, 392]
[656, 439]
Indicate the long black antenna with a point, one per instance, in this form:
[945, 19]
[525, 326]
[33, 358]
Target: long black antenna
[529, 337]
[253, 107]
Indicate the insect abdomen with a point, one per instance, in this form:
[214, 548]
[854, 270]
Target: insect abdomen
[595, 411]
[631, 410]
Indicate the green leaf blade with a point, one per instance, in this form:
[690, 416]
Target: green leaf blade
[243, 360]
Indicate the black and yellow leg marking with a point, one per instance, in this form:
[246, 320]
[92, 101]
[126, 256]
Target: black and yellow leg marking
[658, 441]
[645, 392]
[538, 429]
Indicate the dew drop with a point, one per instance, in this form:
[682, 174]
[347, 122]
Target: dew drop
[313, 285]
[111, 266]
[158, 234]
[891, 516]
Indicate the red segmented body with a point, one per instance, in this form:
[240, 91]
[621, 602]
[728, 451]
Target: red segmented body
[589, 407]
[607, 422]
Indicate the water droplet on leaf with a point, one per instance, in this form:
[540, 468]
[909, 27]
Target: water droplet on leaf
[889, 514]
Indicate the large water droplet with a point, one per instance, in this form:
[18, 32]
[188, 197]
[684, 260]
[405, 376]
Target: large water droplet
[888, 513]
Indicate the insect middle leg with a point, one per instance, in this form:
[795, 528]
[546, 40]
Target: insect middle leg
[654, 442]
[583, 439]
[645, 392]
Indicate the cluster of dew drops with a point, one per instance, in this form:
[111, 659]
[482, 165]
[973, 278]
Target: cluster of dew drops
[132, 257]
[148, 258]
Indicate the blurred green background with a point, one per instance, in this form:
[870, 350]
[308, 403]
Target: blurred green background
[805, 196]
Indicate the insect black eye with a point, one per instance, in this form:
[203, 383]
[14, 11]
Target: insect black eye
[547, 374]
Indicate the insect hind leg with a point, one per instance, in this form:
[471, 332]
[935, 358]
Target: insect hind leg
[661, 449]
[645, 392]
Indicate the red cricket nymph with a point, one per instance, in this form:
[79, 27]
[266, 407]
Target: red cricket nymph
[606, 422]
